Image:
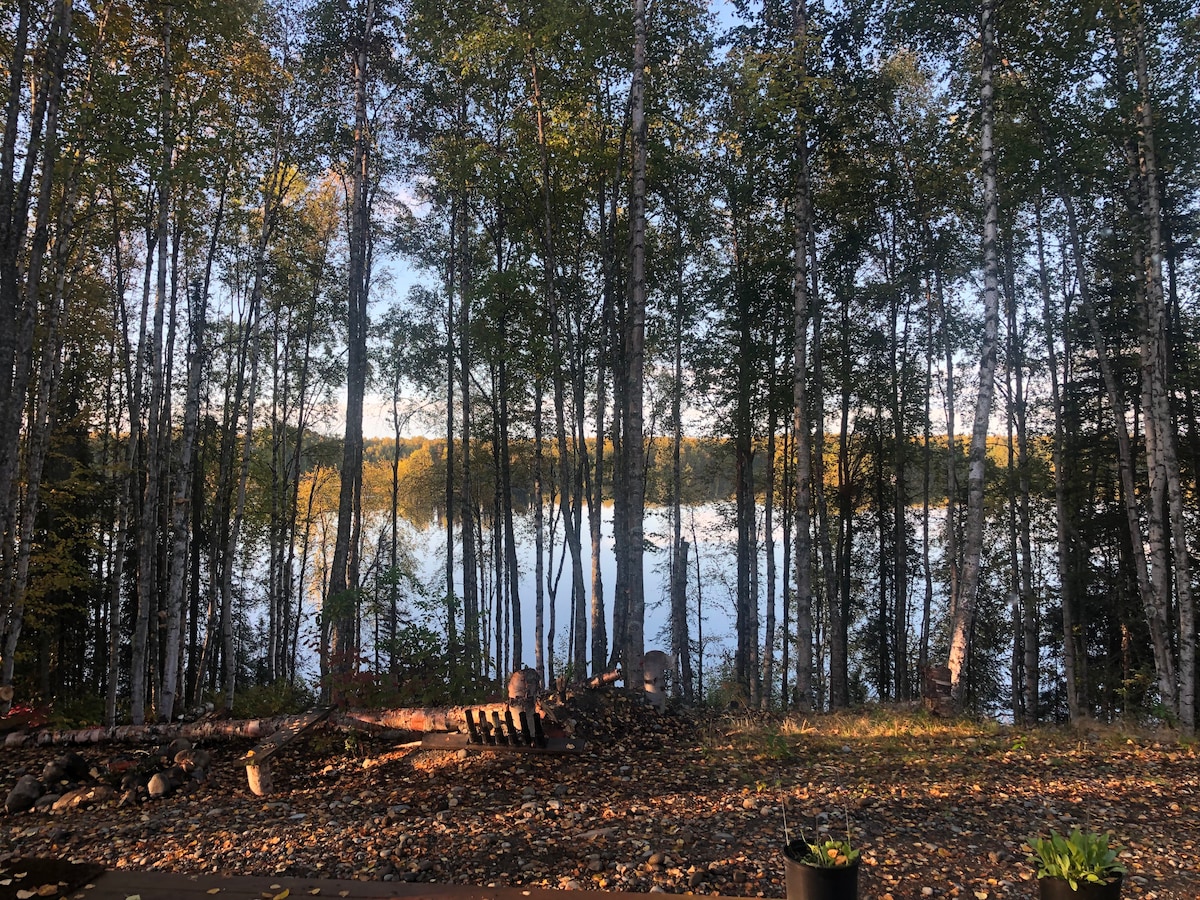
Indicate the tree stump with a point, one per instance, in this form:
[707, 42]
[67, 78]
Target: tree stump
[655, 665]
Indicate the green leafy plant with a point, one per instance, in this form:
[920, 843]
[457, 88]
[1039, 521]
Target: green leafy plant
[1081, 857]
[829, 854]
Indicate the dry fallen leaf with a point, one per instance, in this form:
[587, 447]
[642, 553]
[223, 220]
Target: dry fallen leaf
[25, 895]
[282, 895]
[213, 891]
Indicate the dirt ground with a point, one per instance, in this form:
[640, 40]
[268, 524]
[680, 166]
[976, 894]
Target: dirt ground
[678, 803]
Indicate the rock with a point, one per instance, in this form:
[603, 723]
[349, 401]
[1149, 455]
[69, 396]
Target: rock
[24, 794]
[596, 833]
[194, 762]
[85, 796]
[165, 783]
[70, 766]
[46, 802]
[70, 800]
[177, 746]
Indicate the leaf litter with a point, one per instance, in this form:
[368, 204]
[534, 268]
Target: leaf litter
[677, 803]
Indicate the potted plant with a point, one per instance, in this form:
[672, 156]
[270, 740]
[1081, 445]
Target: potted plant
[823, 871]
[1080, 866]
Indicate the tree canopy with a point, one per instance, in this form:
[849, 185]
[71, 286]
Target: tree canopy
[904, 295]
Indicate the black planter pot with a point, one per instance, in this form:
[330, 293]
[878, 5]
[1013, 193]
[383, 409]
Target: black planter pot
[1050, 888]
[805, 882]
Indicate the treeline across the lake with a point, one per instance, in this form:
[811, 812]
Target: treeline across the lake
[903, 294]
[706, 469]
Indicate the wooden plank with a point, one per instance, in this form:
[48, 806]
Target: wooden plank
[463, 742]
[288, 732]
[120, 885]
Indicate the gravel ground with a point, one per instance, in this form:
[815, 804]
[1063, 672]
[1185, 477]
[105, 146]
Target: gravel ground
[678, 803]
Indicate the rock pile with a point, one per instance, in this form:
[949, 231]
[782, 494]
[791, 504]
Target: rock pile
[70, 780]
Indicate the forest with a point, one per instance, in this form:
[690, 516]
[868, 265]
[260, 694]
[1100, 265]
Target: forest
[902, 291]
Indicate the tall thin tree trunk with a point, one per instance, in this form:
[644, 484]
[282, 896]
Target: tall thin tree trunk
[963, 623]
[569, 499]
[680, 642]
[802, 203]
[13, 384]
[181, 502]
[1156, 370]
[926, 482]
[633, 647]
[148, 525]
[1157, 616]
[1066, 590]
[342, 601]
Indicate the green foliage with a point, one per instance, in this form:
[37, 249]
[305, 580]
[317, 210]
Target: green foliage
[77, 711]
[1083, 856]
[278, 699]
[828, 854]
[775, 745]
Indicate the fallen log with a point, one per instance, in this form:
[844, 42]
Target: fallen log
[420, 720]
[161, 732]
[604, 678]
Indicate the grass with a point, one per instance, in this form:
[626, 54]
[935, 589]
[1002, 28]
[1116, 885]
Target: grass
[764, 736]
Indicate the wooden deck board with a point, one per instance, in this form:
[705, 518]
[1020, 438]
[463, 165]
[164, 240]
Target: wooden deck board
[124, 884]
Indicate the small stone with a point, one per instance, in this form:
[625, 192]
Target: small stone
[24, 794]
